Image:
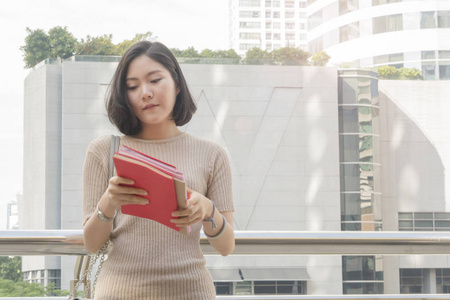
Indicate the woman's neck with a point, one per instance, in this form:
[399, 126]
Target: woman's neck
[157, 132]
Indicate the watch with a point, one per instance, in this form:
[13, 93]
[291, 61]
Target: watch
[102, 217]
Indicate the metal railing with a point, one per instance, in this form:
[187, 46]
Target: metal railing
[70, 242]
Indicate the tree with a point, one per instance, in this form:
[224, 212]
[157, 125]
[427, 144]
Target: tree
[62, 42]
[388, 72]
[256, 56]
[100, 45]
[411, 74]
[207, 53]
[37, 47]
[10, 268]
[290, 56]
[123, 46]
[320, 58]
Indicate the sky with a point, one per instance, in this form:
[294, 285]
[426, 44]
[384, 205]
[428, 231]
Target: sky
[176, 23]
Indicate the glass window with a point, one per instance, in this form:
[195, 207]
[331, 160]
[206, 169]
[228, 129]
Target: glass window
[290, 36]
[276, 3]
[268, 3]
[429, 70]
[443, 19]
[423, 216]
[349, 32]
[428, 54]
[249, 24]
[442, 216]
[268, 35]
[264, 287]
[303, 37]
[243, 288]
[249, 14]
[224, 288]
[268, 25]
[249, 3]
[276, 36]
[302, 26]
[379, 24]
[346, 6]
[405, 216]
[444, 72]
[289, 4]
[302, 15]
[411, 281]
[290, 25]
[411, 20]
[395, 22]
[276, 25]
[394, 57]
[276, 14]
[445, 54]
[428, 19]
[380, 59]
[269, 47]
[289, 15]
[268, 14]
[250, 36]
[315, 19]
[348, 119]
[302, 4]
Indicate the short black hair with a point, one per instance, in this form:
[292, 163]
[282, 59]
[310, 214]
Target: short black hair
[118, 106]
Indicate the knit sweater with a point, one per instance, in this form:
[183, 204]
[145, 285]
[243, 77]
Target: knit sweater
[149, 260]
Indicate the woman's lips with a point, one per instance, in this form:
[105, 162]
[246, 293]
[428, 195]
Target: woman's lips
[150, 106]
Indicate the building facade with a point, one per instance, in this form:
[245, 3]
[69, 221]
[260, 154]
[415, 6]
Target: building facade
[372, 33]
[267, 24]
[311, 149]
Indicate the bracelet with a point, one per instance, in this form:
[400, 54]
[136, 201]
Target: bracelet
[212, 216]
[212, 237]
[102, 217]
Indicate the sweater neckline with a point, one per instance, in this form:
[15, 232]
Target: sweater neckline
[168, 140]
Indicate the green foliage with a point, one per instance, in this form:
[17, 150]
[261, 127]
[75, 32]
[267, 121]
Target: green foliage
[62, 42]
[256, 56]
[37, 47]
[100, 45]
[320, 58]
[10, 268]
[9, 288]
[290, 56]
[390, 72]
[123, 46]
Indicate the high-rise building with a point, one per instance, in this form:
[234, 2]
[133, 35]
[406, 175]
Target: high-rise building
[267, 24]
[311, 149]
[12, 214]
[372, 33]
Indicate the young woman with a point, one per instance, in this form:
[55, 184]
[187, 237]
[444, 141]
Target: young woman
[147, 100]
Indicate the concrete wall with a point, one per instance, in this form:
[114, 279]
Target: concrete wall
[42, 159]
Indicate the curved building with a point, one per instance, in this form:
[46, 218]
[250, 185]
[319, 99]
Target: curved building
[372, 33]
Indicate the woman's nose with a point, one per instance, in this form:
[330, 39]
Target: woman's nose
[147, 92]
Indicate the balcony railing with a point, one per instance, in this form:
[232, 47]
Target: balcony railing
[70, 242]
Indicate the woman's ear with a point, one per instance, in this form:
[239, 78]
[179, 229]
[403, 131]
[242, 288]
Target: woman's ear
[178, 89]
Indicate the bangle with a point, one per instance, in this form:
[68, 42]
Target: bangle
[212, 237]
[212, 216]
[102, 217]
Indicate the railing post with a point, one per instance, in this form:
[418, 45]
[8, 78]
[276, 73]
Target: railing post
[81, 265]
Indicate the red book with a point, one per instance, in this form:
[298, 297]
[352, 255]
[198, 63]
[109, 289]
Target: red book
[164, 184]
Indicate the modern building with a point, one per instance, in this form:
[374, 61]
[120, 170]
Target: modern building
[12, 214]
[372, 33]
[311, 149]
[267, 24]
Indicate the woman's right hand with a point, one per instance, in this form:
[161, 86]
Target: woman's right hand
[120, 192]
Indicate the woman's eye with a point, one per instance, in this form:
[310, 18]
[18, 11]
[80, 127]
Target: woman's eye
[130, 88]
[155, 80]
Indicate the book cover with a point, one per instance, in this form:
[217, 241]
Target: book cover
[166, 192]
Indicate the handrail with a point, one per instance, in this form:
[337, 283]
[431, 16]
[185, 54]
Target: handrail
[70, 242]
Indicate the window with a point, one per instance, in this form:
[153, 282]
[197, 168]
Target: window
[224, 288]
[423, 221]
[290, 36]
[302, 4]
[268, 3]
[249, 14]
[315, 19]
[303, 37]
[362, 275]
[444, 54]
[443, 281]
[428, 19]
[302, 26]
[268, 24]
[443, 19]
[289, 25]
[245, 46]
[302, 15]
[249, 3]
[349, 32]
[250, 36]
[290, 15]
[428, 55]
[276, 14]
[276, 36]
[346, 6]
[276, 25]
[411, 281]
[289, 4]
[249, 24]
[387, 23]
[269, 47]
[268, 14]
[276, 3]
[268, 35]
[381, 2]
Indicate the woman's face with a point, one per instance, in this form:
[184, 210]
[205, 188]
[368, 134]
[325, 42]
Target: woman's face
[151, 91]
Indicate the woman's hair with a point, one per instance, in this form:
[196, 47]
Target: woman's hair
[118, 106]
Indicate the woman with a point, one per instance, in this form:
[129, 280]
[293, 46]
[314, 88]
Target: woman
[148, 99]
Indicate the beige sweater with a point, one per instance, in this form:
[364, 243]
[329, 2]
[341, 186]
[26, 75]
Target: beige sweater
[149, 260]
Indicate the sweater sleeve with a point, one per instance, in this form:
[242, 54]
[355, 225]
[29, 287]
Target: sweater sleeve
[220, 181]
[95, 182]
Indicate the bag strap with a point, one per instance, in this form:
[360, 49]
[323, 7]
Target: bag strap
[115, 141]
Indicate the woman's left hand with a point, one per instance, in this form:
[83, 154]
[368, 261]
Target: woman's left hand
[198, 209]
